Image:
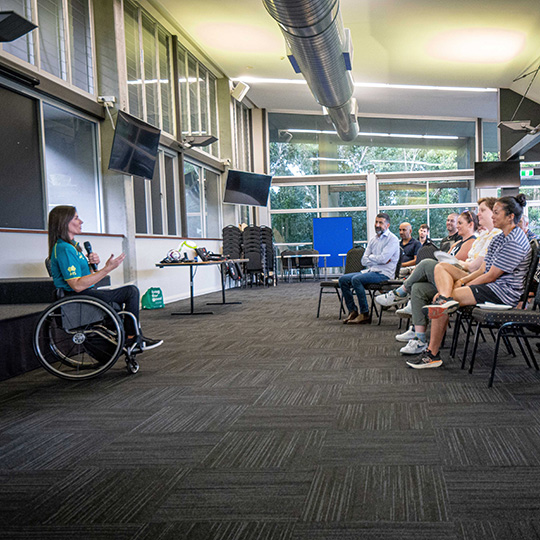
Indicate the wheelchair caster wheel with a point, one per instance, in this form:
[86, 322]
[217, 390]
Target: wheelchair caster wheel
[132, 366]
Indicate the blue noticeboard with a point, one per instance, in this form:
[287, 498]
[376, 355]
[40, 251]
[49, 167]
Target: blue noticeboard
[332, 235]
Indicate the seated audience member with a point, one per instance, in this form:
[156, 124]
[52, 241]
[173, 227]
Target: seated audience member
[422, 284]
[524, 226]
[500, 279]
[423, 235]
[453, 236]
[380, 260]
[409, 245]
[71, 271]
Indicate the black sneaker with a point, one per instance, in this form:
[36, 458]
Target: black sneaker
[140, 343]
[426, 360]
[148, 343]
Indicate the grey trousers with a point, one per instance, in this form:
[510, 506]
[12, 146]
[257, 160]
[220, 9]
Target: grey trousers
[421, 284]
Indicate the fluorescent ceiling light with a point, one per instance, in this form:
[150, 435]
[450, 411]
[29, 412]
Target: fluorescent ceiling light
[262, 80]
[477, 45]
[366, 134]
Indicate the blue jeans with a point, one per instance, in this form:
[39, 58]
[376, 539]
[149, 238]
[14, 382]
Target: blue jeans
[356, 282]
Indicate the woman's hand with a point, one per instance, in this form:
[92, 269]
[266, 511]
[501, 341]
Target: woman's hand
[93, 258]
[113, 262]
[459, 283]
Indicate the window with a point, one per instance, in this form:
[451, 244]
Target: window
[157, 203]
[294, 207]
[198, 99]
[242, 136]
[23, 47]
[71, 164]
[62, 41]
[148, 56]
[203, 198]
[307, 144]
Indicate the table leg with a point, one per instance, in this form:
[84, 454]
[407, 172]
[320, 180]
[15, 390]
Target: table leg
[192, 311]
[222, 303]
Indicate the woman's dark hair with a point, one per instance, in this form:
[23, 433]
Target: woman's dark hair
[471, 217]
[488, 201]
[513, 205]
[59, 218]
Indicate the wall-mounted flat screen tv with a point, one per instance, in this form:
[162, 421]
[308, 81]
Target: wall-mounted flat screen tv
[495, 174]
[247, 188]
[135, 146]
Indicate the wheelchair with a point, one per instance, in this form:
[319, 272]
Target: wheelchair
[81, 337]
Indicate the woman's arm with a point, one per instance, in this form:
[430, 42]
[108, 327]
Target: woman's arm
[466, 280]
[82, 283]
[463, 252]
[489, 277]
[473, 266]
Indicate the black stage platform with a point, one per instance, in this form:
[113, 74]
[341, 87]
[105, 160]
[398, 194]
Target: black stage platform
[16, 330]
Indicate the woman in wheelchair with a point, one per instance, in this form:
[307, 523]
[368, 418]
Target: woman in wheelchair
[71, 272]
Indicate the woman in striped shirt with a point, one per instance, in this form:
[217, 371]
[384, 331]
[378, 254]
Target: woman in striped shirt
[500, 279]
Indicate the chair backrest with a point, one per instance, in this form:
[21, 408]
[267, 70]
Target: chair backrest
[58, 293]
[398, 265]
[353, 262]
[426, 252]
[308, 262]
[289, 262]
[48, 266]
[529, 280]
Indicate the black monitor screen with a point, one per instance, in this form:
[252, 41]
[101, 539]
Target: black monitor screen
[135, 146]
[494, 174]
[247, 188]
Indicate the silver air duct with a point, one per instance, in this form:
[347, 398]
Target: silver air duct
[319, 48]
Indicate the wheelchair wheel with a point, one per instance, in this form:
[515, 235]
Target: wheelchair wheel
[78, 337]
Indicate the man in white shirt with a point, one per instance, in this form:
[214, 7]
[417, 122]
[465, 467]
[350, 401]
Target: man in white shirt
[380, 260]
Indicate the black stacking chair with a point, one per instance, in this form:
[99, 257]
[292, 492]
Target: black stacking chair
[353, 264]
[517, 323]
[308, 263]
[288, 264]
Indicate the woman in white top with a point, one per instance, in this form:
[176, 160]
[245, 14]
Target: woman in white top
[444, 272]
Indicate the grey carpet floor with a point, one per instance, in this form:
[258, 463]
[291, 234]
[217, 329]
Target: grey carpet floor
[262, 422]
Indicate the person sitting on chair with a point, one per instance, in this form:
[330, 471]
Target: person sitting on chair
[409, 245]
[500, 279]
[71, 272]
[380, 260]
[453, 235]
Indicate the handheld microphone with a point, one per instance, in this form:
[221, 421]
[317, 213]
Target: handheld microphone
[88, 247]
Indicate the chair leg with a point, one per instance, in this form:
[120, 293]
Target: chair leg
[522, 349]
[455, 335]
[341, 308]
[528, 345]
[465, 349]
[319, 307]
[495, 353]
[475, 346]
[508, 345]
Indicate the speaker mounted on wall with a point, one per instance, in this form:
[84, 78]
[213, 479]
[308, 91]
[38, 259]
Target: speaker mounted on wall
[239, 91]
[13, 26]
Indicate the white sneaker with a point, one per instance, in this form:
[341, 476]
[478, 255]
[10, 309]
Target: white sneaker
[407, 310]
[406, 336]
[415, 346]
[390, 299]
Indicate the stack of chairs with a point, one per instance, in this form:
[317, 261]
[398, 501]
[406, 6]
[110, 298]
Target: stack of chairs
[232, 242]
[253, 252]
[267, 252]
